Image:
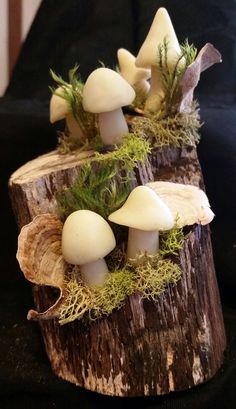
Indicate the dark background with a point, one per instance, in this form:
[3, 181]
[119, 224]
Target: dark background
[85, 31]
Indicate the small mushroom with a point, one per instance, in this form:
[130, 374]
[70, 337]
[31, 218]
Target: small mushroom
[60, 109]
[86, 239]
[136, 77]
[104, 93]
[145, 214]
[161, 29]
[187, 203]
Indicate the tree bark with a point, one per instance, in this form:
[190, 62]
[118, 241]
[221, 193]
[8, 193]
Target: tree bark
[148, 347]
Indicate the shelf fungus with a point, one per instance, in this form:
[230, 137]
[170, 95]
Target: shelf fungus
[40, 258]
[187, 203]
[105, 93]
[145, 214]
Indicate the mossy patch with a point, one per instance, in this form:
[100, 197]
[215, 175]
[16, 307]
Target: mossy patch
[103, 183]
[179, 130]
[171, 241]
[134, 149]
[149, 279]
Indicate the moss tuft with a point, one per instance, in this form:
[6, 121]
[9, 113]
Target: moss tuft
[72, 92]
[100, 190]
[150, 280]
[171, 76]
[180, 130]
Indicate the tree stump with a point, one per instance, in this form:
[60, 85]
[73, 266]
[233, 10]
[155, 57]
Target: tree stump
[148, 347]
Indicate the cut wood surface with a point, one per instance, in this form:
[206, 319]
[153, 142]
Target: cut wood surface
[147, 347]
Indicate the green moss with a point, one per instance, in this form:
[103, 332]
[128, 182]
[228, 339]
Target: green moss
[179, 130]
[171, 76]
[98, 189]
[72, 92]
[150, 280]
[103, 183]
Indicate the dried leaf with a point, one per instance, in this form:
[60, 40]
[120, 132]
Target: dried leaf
[40, 257]
[207, 56]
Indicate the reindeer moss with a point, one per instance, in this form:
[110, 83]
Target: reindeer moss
[134, 149]
[171, 241]
[150, 279]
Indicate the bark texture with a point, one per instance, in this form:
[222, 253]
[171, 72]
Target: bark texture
[147, 347]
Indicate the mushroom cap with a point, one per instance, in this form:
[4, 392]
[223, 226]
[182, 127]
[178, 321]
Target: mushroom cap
[161, 28]
[59, 107]
[144, 210]
[86, 237]
[128, 69]
[105, 90]
[187, 203]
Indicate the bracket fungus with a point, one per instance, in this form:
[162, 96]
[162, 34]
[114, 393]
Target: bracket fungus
[137, 77]
[86, 239]
[161, 30]
[40, 258]
[60, 109]
[105, 93]
[187, 203]
[145, 214]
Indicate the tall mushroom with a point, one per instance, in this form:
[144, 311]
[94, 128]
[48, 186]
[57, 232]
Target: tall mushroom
[104, 93]
[187, 203]
[60, 109]
[161, 30]
[145, 214]
[136, 77]
[86, 239]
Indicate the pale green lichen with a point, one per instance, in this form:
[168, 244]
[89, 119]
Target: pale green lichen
[171, 241]
[149, 279]
[134, 149]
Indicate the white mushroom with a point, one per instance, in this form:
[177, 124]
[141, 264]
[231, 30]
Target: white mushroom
[145, 214]
[60, 109]
[187, 203]
[161, 30]
[137, 77]
[86, 239]
[104, 93]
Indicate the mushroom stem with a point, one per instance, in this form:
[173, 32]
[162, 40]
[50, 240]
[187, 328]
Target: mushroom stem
[142, 86]
[73, 127]
[140, 241]
[112, 126]
[94, 273]
[156, 92]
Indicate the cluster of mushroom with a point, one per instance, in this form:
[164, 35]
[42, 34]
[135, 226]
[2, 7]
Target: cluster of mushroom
[159, 206]
[106, 91]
